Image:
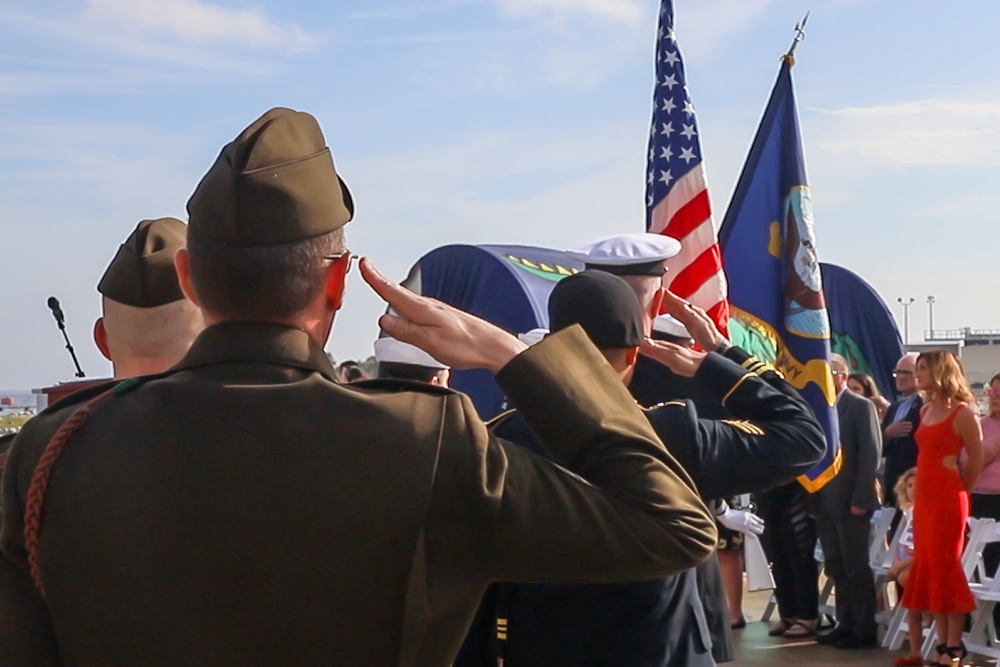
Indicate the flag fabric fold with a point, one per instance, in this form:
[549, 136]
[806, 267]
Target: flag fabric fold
[677, 201]
[863, 329]
[777, 306]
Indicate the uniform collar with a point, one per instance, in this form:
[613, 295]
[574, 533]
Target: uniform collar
[256, 342]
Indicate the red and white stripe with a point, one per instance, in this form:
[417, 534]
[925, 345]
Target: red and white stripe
[696, 273]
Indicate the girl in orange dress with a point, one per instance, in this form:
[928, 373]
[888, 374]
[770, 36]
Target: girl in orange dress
[947, 426]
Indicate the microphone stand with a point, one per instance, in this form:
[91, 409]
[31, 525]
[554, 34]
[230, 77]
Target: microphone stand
[72, 352]
[57, 313]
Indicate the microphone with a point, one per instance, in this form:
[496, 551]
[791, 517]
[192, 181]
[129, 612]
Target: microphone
[57, 312]
[53, 304]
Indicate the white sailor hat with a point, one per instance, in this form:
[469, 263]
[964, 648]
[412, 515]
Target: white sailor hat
[670, 325]
[532, 337]
[390, 350]
[639, 254]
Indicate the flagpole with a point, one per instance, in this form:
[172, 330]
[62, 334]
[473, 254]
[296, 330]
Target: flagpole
[800, 34]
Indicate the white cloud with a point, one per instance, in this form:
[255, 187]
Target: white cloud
[704, 27]
[917, 132]
[199, 22]
[498, 187]
[625, 11]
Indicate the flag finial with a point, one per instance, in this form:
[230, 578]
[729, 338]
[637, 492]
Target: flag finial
[800, 34]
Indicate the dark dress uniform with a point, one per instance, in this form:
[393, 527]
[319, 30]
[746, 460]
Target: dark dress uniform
[245, 509]
[772, 438]
[654, 383]
[6, 440]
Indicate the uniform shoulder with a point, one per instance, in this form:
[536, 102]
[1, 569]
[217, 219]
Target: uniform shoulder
[500, 419]
[393, 385]
[664, 404]
[69, 403]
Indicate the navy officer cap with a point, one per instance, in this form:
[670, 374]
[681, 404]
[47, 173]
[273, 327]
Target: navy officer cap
[640, 254]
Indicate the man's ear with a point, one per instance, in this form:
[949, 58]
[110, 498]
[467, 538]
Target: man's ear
[442, 378]
[101, 338]
[336, 281]
[631, 355]
[182, 265]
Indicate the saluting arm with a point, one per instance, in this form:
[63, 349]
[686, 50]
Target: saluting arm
[626, 512]
[772, 438]
[631, 514]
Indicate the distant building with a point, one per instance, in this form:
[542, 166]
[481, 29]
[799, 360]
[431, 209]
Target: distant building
[979, 350]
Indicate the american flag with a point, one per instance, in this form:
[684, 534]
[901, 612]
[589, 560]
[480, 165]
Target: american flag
[677, 202]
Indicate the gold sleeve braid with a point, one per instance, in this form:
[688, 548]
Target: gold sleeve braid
[745, 426]
[758, 367]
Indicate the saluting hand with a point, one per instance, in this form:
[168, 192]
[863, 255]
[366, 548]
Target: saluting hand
[695, 320]
[449, 335]
[681, 360]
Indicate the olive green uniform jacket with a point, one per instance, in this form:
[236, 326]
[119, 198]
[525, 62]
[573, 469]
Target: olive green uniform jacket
[244, 509]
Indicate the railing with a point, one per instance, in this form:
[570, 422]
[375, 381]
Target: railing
[961, 334]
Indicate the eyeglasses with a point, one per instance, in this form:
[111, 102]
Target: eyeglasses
[896, 373]
[337, 256]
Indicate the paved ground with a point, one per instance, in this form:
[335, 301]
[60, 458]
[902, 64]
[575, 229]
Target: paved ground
[754, 647]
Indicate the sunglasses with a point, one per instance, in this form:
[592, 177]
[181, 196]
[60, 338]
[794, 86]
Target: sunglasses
[898, 373]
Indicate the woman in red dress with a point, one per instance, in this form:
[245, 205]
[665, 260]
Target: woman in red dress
[947, 426]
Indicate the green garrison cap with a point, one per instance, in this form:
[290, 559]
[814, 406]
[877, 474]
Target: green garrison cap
[142, 273]
[274, 184]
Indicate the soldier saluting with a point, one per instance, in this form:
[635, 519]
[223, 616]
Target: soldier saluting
[243, 508]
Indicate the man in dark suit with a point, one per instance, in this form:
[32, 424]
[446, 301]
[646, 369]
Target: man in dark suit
[843, 515]
[772, 438]
[243, 508]
[898, 426]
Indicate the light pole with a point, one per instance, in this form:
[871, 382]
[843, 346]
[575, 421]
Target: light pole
[930, 315]
[906, 316]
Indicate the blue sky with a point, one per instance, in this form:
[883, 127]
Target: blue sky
[477, 121]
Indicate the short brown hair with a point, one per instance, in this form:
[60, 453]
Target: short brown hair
[259, 283]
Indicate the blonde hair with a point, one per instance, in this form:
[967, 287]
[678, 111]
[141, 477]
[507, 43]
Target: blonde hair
[947, 377]
[903, 498]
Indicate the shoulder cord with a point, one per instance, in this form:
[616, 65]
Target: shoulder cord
[40, 481]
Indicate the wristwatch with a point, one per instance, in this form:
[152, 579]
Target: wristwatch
[725, 345]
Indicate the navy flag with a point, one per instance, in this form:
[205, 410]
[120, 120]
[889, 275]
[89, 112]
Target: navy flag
[863, 329]
[777, 308]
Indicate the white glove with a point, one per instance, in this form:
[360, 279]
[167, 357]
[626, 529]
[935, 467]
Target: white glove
[742, 521]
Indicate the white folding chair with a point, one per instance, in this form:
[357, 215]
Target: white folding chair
[982, 635]
[878, 545]
[979, 530]
[896, 624]
[878, 552]
[883, 555]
